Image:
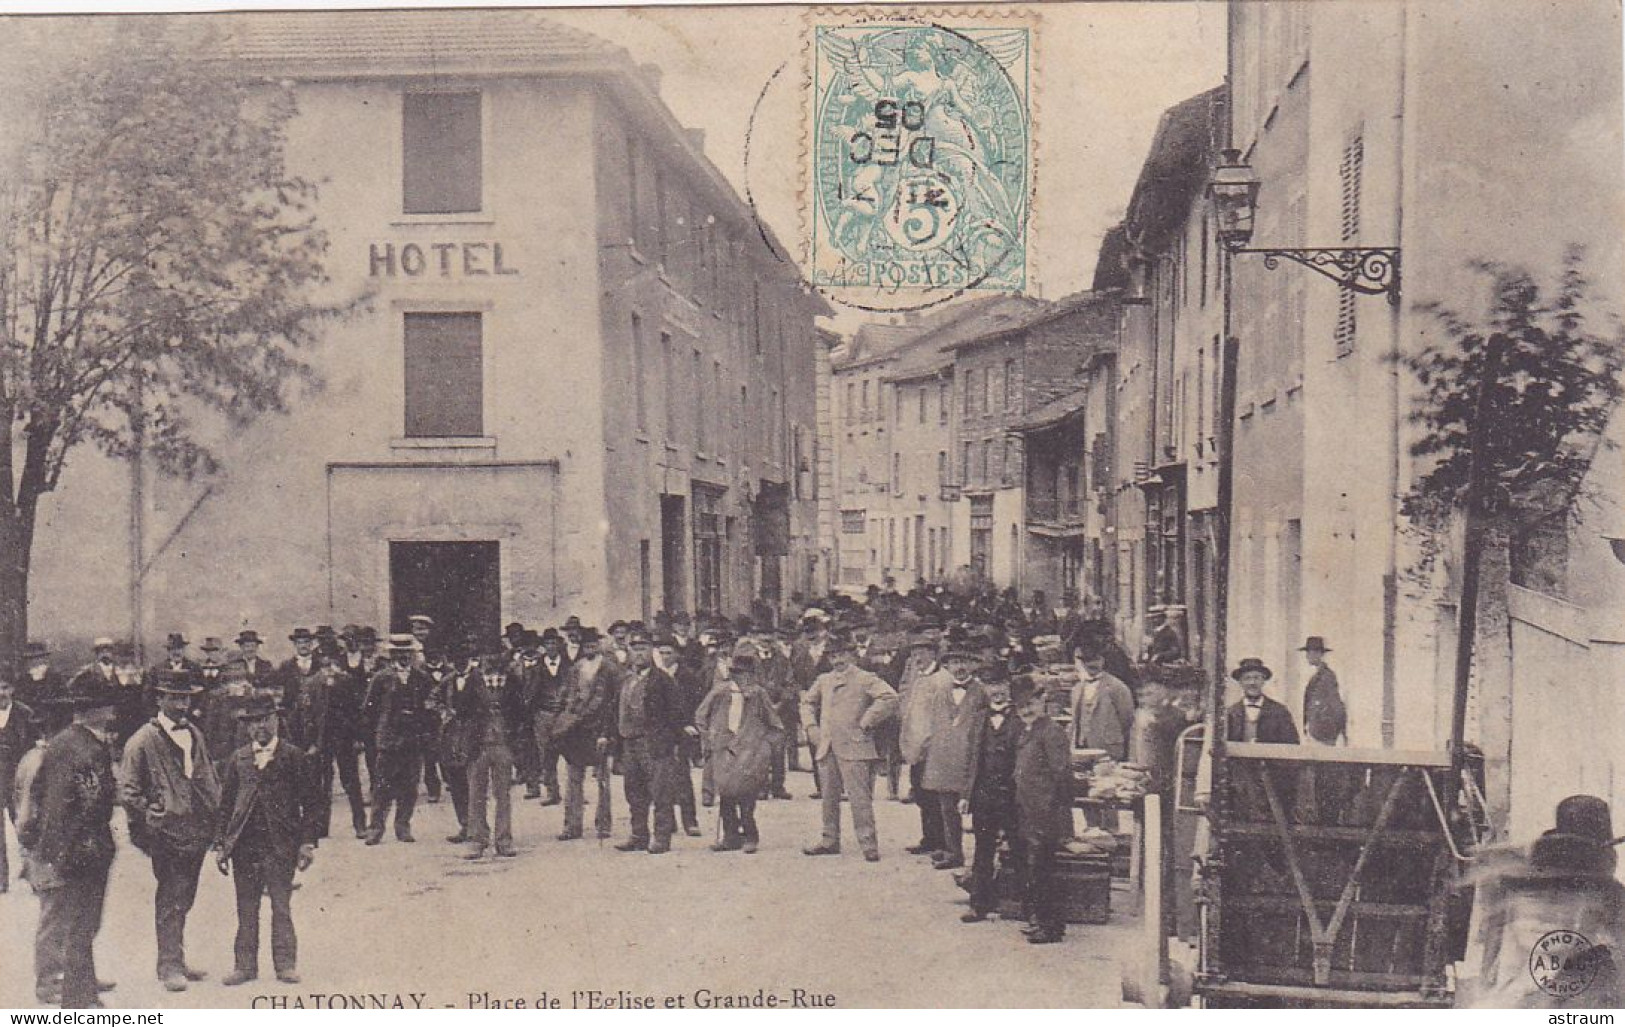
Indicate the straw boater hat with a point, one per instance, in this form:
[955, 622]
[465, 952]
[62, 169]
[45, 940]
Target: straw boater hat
[399, 643]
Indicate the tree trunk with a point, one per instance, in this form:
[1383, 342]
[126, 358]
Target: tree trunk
[16, 546]
[1492, 667]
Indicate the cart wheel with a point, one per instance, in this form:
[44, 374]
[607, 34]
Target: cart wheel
[1142, 975]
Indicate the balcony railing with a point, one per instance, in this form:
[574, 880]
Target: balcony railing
[1051, 509]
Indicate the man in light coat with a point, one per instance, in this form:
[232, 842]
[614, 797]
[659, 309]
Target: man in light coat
[955, 723]
[171, 796]
[842, 709]
[1102, 705]
[923, 680]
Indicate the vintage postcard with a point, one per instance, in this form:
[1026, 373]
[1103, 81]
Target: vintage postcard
[885, 505]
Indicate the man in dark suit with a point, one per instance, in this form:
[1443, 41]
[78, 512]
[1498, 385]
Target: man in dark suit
[648, 723]
[298, 672]
[270, 815]
[175, 659]
[1043, 780]
[1325, 718]
[525, 657]
[69, 831]
[248, 666]
[17, 736]
[1256, 717]
[989, 792]
[39, 682]
[543, 685]
[483, 712]
[399, 708]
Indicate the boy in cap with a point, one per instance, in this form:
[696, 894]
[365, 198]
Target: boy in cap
[171, 798]
[270, 813]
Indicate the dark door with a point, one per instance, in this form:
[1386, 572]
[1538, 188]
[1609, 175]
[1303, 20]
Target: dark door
[456, 583]
[673, 554]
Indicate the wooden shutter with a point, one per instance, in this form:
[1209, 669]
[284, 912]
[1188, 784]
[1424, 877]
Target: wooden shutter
[1350, 172]
[440, 143]
[445, 394]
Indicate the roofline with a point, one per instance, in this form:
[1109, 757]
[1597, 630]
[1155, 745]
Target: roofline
[627, 83]
[943, 370]
[1051, 311]
[1029, 427]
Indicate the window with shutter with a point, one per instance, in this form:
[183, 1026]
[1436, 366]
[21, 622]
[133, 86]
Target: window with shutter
[440, 151]
[445, 394]
[1350, 172]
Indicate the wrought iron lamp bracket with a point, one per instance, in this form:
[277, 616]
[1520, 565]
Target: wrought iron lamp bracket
[1372, 270]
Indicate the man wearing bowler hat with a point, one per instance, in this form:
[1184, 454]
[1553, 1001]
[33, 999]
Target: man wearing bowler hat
[1325, 718]
[213, 664]
[647, 723]
[1256, 717]
[582, 733]
[270, 816]
[543, 687]
[171, 797]
[39, 681]
[399, 711]
[175, 659]
[248, 666]
[69, 831]
[842, 711]
[299, 672]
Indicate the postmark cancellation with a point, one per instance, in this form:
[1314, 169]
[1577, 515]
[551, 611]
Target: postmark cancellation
[918, 169]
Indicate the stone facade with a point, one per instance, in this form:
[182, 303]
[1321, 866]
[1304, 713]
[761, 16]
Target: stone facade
[629, 351]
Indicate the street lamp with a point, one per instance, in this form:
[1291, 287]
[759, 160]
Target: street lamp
[1373, 270]
[1235, 197]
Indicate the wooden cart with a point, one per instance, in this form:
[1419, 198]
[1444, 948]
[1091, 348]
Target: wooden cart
[1326, 878]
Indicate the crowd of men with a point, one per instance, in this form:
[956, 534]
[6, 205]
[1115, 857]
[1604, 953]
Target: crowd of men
[236, 757]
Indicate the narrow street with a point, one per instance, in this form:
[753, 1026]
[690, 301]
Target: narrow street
[416, 919]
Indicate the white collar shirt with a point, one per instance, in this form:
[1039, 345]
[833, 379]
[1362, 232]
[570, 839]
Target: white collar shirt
[736, 707]
[263, 753]
[181, 735]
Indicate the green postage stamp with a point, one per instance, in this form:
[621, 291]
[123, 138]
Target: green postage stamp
[920, 162]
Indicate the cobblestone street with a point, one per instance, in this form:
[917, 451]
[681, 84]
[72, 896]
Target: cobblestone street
[403, 920]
